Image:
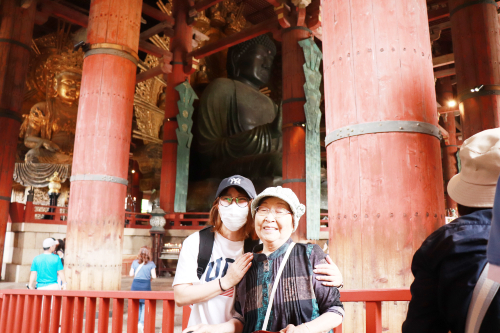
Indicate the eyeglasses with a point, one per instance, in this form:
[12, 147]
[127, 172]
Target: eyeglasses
[228, 200]
[278, 212]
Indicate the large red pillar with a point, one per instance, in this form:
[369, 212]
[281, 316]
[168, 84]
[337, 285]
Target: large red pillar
[294, 137]
[476, 45]
[102, 146]
[16, 30]
[180, 46]
[385, 188]
[450, 144]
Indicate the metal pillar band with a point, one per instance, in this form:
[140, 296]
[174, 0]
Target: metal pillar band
[294, 180]
[383, 127]
[15, 42]
[486, 90]
[5, 198]
[6, 113]
[297, 28]
[113, 49]
[101, 178]
[471, 3]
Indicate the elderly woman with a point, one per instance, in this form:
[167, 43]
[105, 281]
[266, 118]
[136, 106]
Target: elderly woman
[281, 279]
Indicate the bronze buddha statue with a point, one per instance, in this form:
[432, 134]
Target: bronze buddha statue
[238, 129]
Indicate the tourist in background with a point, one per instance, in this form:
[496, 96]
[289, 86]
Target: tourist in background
[47, 268]
[210, 287]
[143, 270]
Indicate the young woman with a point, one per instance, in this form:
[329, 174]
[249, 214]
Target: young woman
[212, 295]
[299, 303]
[143, 271]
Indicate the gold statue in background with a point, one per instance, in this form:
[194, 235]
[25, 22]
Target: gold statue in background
[49, 128]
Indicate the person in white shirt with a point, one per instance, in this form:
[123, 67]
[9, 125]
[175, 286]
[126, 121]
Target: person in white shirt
[211, 294]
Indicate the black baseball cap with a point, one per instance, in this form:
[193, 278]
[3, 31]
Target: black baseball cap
[238, 181]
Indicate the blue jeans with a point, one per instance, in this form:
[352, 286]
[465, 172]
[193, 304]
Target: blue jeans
[141, 313]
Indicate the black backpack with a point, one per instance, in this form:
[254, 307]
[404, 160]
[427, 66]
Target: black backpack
[207, 238]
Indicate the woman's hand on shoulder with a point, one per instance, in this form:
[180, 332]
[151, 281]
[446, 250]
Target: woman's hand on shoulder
[329, 274]
[236, 271]
[295, 329]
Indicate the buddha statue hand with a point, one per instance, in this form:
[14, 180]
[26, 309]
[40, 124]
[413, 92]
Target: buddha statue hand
[275, 126]
[50, 146]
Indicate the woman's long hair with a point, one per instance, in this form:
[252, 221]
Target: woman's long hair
[144, 255]
[215, 220]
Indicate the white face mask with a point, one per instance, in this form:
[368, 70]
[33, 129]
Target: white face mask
[233, 216]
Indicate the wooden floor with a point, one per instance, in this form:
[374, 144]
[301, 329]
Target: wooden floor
[161, 284]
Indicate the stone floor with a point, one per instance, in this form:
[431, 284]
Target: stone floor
[161, 284]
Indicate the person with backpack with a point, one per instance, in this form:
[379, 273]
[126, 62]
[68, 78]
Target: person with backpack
[143, 270]
[212, 261]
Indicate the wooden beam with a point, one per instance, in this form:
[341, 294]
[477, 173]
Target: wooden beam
[163, 68]
[65, 13]
[275, 3]
[153, 49]
[444, 73]
[157, 14]
[443, 60]
[444, 109]
[438, 14]
[205, 4]
[224, 43]
[444, 132]
[164, 26]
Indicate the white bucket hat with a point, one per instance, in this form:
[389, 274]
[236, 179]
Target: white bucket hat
[286, 195]
[475, 185]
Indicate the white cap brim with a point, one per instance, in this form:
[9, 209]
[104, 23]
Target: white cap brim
[471, 195]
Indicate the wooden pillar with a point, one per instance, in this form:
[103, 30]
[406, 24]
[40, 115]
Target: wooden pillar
[476, 45]
[102, 146]
[450, 149]
[294, 137]
[135, 190]
[180, 46]
[385, 189]
[16, 30]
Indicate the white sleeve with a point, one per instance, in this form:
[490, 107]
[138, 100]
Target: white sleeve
[188, 261]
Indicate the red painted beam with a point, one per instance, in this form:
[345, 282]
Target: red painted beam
[165, 27]
[205, 4]
[65, 13]
[157, 14]
[153, 49]
[435, 15]
[164, 68]
[224, 43]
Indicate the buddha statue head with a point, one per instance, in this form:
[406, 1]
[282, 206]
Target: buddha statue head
[64, 74]
[67, 87]
[250, 62]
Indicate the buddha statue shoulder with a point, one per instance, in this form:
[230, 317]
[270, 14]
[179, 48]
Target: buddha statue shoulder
[235, 120]
[49, 128]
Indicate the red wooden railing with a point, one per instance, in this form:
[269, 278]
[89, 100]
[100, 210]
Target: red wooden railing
[190, 221]
[33, 311]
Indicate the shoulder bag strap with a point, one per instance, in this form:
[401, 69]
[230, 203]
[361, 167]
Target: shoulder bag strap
[275, 285]
[138, 269]
[484, 292]
[207, 238]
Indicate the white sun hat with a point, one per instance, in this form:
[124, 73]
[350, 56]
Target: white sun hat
[286, 195]
[475, 185]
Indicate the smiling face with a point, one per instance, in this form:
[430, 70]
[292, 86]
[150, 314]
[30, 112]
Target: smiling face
[255, 65]
[67, 85]
[273, 231]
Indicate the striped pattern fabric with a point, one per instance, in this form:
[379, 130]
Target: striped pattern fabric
[299, 297]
